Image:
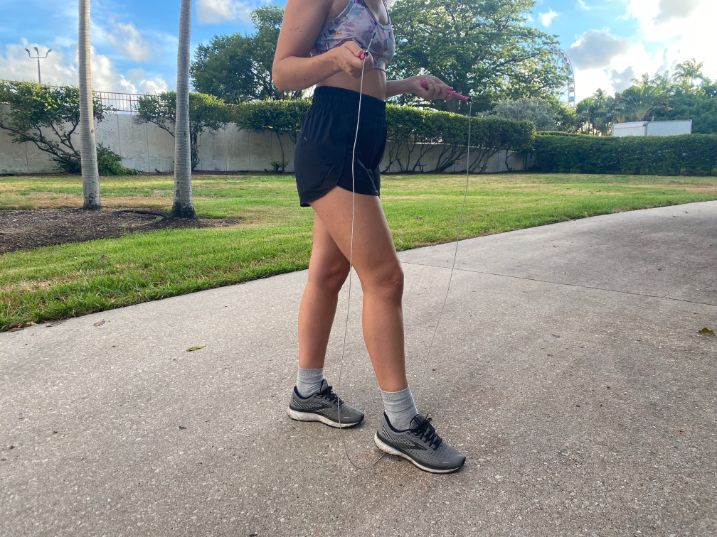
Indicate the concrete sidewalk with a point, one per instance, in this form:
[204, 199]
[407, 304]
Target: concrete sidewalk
[568, 367]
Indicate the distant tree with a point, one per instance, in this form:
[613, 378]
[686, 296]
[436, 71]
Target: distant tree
[693, 96]
[47, 117]
[237, 67]
[688, 74]
[280, 117]
[545, 114]
[686, 93]
[481, 48]
[645, 99]
[206, 113]
[697, 102]
[595, 114]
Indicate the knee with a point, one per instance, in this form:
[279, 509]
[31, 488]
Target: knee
[387, 283]
[332, 278]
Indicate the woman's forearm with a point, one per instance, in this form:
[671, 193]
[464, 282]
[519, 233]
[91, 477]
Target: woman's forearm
[398, 87]
[296, 73]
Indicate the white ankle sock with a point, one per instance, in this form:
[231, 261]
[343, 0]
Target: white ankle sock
[308, 381]
[400, 408]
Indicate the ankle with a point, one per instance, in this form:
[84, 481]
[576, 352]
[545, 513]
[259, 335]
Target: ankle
[308, 381]
[399, 407]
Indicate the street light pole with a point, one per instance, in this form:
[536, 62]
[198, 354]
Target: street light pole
[38, 58]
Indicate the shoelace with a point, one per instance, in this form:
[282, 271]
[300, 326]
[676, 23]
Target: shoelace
[425, 431]
[330, 396]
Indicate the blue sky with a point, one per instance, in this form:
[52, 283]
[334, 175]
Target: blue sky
[609, 41]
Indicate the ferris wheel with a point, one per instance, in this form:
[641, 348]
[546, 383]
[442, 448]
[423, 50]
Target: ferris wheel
[570, 87]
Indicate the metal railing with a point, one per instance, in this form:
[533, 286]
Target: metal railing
[114, 100]
[120, 102]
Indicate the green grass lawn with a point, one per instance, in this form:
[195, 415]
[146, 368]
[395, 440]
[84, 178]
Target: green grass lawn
[274, 234]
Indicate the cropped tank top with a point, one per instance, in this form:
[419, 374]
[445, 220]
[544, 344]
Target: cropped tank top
[358, 23]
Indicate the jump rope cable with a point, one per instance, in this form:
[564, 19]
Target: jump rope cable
[351, 252]
[348, 300]
[458, 228]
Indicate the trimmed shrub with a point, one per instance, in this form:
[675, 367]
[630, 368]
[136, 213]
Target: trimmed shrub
[413, 131]
[110, 163]
[206, 113]
[559, 133]
[280, 117]
[694, 154]
[47, 117]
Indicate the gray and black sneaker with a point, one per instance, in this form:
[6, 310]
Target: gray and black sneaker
[323, 406]
[420, 444]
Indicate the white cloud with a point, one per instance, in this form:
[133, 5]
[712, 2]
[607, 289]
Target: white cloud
[214, 11]
[667, 32]
[596, 48]
[617, 73]
[547, 17]
[583, 5]
[130, 43]
[60, 68]
[621, 80]
[675, 9]
[677, 31]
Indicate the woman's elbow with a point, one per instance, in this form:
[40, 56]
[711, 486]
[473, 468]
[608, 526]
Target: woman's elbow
[278, 79]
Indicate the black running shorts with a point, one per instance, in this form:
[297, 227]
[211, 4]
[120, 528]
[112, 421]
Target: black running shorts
[324, 147]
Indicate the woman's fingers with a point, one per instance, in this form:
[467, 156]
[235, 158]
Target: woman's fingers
[434, 88]
[350, 58]
[442, 89]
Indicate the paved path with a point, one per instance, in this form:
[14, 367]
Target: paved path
[568, 367]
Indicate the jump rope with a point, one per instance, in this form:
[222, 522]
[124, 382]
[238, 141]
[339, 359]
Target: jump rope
[363, 55]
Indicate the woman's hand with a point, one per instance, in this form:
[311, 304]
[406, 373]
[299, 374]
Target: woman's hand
[349, 58]
[430, 87]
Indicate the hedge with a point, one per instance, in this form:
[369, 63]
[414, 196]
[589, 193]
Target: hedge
[416, 131]
[693, 154]
[48, 117]
[413, 131]
[279, 117]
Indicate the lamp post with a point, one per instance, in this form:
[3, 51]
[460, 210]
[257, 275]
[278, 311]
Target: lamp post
[38, 58]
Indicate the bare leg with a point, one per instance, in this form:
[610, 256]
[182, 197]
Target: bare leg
[378, 268]
[328, 269]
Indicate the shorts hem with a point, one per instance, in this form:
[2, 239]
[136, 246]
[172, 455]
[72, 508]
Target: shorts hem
[308, 197]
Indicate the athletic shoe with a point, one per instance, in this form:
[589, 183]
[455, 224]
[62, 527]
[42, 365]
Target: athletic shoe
[420, 444]
[323, 406]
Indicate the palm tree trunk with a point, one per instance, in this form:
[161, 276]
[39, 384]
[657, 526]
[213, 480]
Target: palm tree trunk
[183, 207]
[88, 152]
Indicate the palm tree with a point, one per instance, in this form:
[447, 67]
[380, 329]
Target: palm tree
[596, 113]
[88, 152]
[688, 73]
[183, 207]
[644, 100]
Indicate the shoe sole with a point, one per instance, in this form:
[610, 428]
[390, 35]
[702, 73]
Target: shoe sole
[393, 451]
[310, 416]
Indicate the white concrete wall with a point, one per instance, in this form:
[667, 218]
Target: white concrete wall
[669, 128]
[652, 128]
[633, 128]
[148, 148]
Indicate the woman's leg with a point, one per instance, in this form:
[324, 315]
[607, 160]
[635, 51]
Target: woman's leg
[378, 268]
[374, 257]
[328, 269]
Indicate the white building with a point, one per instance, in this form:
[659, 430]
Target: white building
[652, 128]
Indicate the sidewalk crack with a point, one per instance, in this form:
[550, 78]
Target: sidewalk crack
[664, 297]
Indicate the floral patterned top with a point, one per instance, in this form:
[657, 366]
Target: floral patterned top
[358, 23]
